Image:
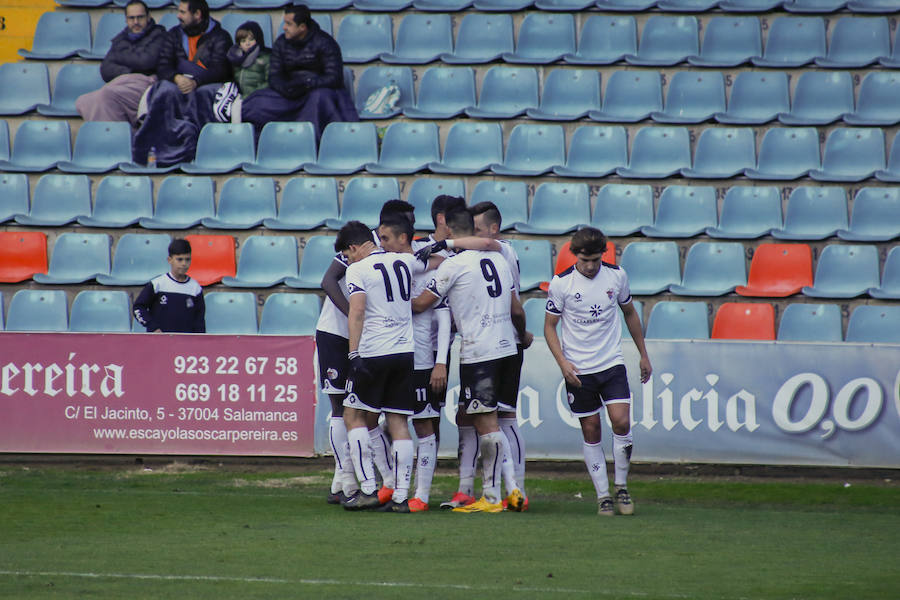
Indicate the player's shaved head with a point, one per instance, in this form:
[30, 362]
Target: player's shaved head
[460, 221]
[588, 241]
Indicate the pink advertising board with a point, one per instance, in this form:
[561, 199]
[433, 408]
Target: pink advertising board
[157, 394]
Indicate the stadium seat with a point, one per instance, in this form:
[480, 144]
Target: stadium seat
[509, 6]
[105, 311]
[750, 5]
[423, 192]
[444, 93]
[533, 149]
[569, 95]
[374, 79]
[345, 148]
[283, 148]
[757, 97]
[535, 309]
[651, 266]
[108, 27]
[306, 203]
[845, 271]
[857, 42]
[851, 154]
[729, 42]
[230, 21]
[382, 5]
[4, 140]
[876, 216]
[364, 37]
[222, 148]
[742, 321]
[38, 310]
[59, 35]
[543, 38]
[666, 41]
[290, 314]
[72, 80]
[872, 324]
[23, 87]
[722, 153]
[510, 197]
[563, 5]
[892, 172]
[778, 271]
[683, 211]
[470, 148]
[872, 6]
[626, 5]
[212, 258]
[100, 147]
[595, 151]
[182, 202]
[317, 257]
[363, 199]
[76, 258]
[39, 146]
[421, 39]
[139, 257]
[657, 153]
[265, 260]
[558, 208]
[793, 42]
[639, 308]
[244, 202]
[813, 6]
[58, 200]
[786, 153]
[877, 103]
[506, 92]
[604, 40]
[892, 61]
[630, 97]
[14, 197]
[692, 97]
[86, 4]
[481, 38]
[168, 20]
[232, 313]
[748, 212]
[820, 98]
[22, 254]
[326, 4]
[407, 148]
[535, 262]
[442, 5]
[890, 278]
[120, 201]
[678, 321]
[802, 322]
[712, 269]
[622, 210]
[814, 213]
[693, 6]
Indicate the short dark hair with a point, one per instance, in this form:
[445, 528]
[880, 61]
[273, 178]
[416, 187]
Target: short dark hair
[399, 224]
[179, 246]
[588, 241]
[353, 233]
[460, 221]
[140, 2]
[301, 13]
[489, 210]
[444, 204]
[195, 5]
[396, 207]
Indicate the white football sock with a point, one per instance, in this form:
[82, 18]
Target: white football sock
[596, 466]
[622, 457]
[403, 464]
[491, 445]
[381, 454]
[337, 435]
[361, 455]
[510, 428]
[425, 467]
[507, 467]
[468, 457]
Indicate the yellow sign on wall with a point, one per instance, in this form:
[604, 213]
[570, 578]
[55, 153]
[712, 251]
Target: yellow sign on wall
[18, 19]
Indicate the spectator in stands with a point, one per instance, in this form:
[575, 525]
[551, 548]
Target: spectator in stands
[250, 58]
[173, 302]
[128, 69]
[193, 64]
[306, 78]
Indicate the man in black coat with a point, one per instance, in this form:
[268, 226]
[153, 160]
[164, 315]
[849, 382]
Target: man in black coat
[128, 69]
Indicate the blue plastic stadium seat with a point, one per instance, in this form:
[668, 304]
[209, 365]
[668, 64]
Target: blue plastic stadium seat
[890, 278]
[892, 61]
[120, 202]
[423, 192]
[481, 38]
[39, 145]
[244, 202]
[59, 35]
[692, 97]
[820, 98]
[622, 210]
[535, 262]
[232, 20]
[382, 5]
[101, 311]
[76, 258]
[156, 4]
[813, 6]
[306, 203]
[892, 172]
[639, 308]
[363, 199]
[793, 42]
[407, 148]
[666, 41]
[683, 211]
[876, 216]
[84, 3]
[729, 42]
[712, 269]
[182, 202]
[544, 37]
[535, 309]
[533, 150]
[14, 195]
[323, 19]
[442, 5]
[626, 5]
[558, 208]
[108, 27]
[509, 6]
[168, 20]
[857, 42]
[506, 92]
[138, 258]
[786, 153]
[851, 154]
[604, 40]
[569, 95]
[877, 104]
[757, 97]
[318, 255]
[222, 148]
[510, 197]
[723, 152]
[72, 81]
[748, 212]
[814, 213]
[364, 37]
[326, 4]
[99, 148]
[678, 321]
[374, 79]
[873, 324]
[38, 310]
[265, 260]
[421, 38]
[630, 97]
[563, 5]
[595, 151]
[444, 93]
[651, 266]
[845, 271]
[290, 314]
[750, 5]
[4, 140]
[802, 322]
[657, 153]
[283, 148]
[232, 313]
[470, 148]
[345, 148]
[873, 6]
[58, 200]
[692, 6]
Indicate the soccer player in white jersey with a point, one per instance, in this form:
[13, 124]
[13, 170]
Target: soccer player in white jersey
[479, 288]
[585, 297]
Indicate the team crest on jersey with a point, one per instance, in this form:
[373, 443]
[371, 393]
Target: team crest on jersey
[609, 293]
[352, 399]
[331, 373]
[577, 296]
[189, 303]
[596, 309]
[551, 306]
[486, 320]
[352, 288]
[163, 300]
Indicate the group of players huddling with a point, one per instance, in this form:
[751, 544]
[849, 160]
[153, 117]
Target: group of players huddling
[383, 340]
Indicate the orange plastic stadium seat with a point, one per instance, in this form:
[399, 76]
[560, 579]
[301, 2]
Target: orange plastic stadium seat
[737, 321]
[778, 270]
[565, 259]
[22, 254]
[212, 258]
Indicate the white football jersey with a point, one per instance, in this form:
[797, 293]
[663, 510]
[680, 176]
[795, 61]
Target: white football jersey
[478, 286]
[331, 319]
[386, 279]
[591, 332]
[425, 325]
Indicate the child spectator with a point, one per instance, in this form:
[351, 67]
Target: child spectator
[173, 302]
[250, 58]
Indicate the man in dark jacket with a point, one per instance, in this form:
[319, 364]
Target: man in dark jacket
[306, 78]
[128, 69]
